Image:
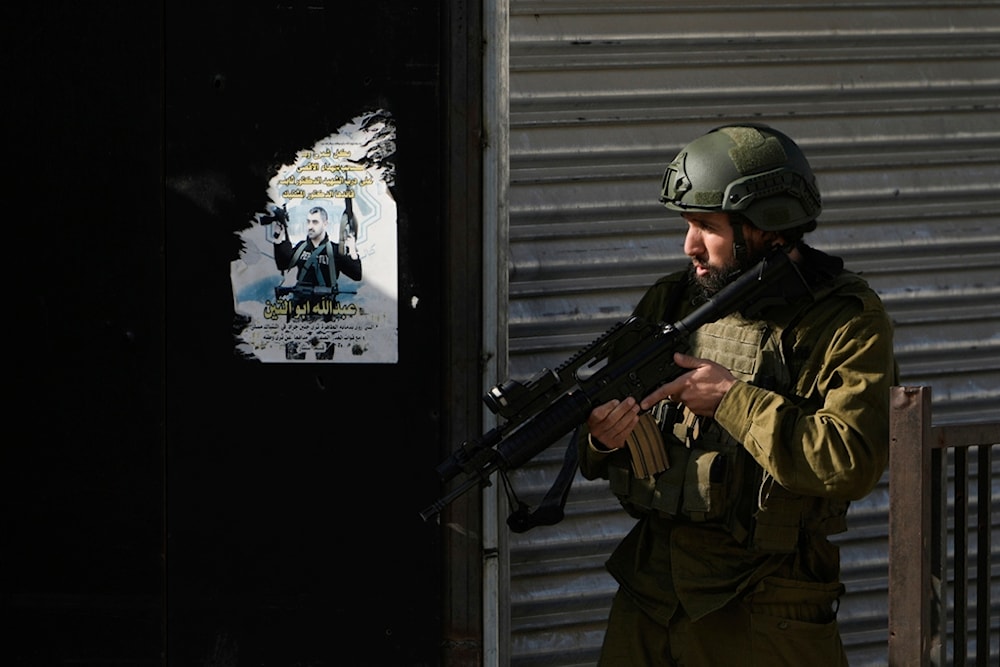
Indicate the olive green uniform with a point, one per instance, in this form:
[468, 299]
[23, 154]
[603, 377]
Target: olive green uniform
[729, 562]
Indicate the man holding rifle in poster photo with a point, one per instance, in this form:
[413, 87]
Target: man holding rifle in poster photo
[740, 469]
[317, 260]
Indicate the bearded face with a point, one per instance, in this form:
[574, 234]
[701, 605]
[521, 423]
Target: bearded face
[709, 278]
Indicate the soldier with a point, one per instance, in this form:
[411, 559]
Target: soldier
[780, 420]
[316, 258]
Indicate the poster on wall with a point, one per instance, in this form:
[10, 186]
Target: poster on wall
[316, 280]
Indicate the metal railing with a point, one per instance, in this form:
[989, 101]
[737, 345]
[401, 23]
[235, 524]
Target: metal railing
[919, 500]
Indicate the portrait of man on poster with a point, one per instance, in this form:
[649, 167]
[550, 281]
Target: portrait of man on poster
[317, 260]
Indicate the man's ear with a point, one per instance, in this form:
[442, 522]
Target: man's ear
[758, 238]
[772, 239]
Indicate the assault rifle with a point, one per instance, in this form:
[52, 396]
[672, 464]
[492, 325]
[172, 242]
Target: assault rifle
[552, 403]
[308, 300]
[305, 292]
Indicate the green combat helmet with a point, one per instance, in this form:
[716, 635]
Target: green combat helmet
[749, 169]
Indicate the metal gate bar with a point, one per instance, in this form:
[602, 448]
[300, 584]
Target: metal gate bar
[918, 610]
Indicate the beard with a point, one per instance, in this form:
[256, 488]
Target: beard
[720, 276]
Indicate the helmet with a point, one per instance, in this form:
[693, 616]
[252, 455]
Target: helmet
[749, 169]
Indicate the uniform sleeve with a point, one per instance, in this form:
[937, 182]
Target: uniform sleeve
[283, 255]
[349, 267]
[832, 438]
[593, 461]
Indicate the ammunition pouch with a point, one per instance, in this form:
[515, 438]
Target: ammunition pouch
[711, 487]
[696, 487]
[778, 521]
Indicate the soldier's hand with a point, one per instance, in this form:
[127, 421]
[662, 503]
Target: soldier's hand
[611, 423]
[700, 389]
[350, 247]
[279, 232]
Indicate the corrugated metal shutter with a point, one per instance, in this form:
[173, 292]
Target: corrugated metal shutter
[896, 104]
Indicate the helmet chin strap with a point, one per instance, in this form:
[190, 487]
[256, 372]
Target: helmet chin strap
[740, 249]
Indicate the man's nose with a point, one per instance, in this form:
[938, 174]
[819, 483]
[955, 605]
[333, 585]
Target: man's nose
[693, 242]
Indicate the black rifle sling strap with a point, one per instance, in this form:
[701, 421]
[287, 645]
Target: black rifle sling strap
[551, 509]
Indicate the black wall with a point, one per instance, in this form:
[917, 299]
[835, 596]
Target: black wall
[83, 454]
[168, 502]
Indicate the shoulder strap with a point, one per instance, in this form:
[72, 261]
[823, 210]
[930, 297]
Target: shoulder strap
[297, 253]
[313, 261]
[551, 510]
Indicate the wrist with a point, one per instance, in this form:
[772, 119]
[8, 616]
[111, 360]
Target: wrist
[599, 446]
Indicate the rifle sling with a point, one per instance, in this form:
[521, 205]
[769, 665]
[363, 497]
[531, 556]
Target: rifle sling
[550, 511]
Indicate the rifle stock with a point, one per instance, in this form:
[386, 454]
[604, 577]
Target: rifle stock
[552, 403]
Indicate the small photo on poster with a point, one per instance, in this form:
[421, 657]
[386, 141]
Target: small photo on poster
[316, 281]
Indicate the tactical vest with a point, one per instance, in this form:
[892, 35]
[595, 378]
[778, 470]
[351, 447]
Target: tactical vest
[313, 263]
[711, 477]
